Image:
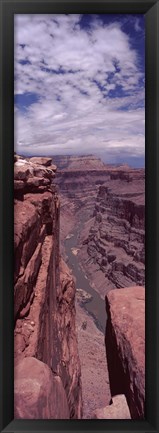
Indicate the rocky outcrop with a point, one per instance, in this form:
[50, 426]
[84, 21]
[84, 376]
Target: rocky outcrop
[125, 346]
[38, 393]
[65, 359]
[117, 409]
[44, 290]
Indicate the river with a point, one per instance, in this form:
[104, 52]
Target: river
[96, 305]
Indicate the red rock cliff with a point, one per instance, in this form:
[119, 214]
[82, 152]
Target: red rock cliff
[114, 247]
[44, 307]
[125, 346]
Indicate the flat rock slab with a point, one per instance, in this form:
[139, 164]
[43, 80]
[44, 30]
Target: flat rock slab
[41, 160]
[118, 409]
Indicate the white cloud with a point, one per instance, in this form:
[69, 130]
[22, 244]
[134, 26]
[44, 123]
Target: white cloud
[72, 114]
[137, 25]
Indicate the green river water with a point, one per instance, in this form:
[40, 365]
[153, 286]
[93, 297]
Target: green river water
[96, 306]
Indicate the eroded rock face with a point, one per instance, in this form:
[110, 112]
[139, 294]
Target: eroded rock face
[125, 346]
[65, 359]
[44, 293]
[41, 160]
[107, 205]
[113, 249]
[78, 180]
[32, 176]
[84, 163]
[38, 393]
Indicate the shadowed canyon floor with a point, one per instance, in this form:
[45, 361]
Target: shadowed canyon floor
[92, 353]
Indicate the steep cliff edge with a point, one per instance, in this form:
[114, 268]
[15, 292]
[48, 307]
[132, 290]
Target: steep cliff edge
[44, 293]
[125, 346]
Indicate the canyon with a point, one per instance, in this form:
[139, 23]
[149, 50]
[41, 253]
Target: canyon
[79, 295]
[110, 204]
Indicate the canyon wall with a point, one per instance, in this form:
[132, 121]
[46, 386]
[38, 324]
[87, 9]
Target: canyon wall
[115, 244]
[45, 340]
[78, 180]
[106, 204]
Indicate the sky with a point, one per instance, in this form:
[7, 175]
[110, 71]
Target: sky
[80, 86]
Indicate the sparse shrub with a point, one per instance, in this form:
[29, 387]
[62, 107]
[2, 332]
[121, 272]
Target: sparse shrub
[84, 324]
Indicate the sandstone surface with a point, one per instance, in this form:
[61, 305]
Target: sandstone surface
[125, 346]
[117, 409]
[38, 393]
[44, 291]
[41, 160]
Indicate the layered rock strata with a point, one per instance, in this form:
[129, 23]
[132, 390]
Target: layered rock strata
[106, 204]
[44, 292]
[125, 346]
[78, 180]
[83, 162]
[113, 249]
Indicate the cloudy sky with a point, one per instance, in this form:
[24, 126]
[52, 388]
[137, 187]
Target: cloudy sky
[79, 86]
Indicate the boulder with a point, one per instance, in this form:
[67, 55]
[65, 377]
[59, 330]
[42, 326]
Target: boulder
[125, 346]
[41, 171]
[41, 160]
[117, 409]
[22, 170]
[53, 167]
[38, 393]
[37, 181]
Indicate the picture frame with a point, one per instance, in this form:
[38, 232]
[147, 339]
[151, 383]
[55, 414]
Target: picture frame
[151, 10]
